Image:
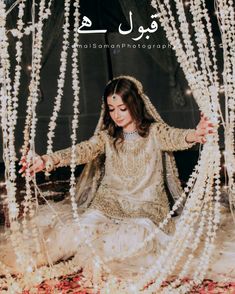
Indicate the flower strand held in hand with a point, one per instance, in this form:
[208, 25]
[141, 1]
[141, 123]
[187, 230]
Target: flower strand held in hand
[38, 164]
[204, 128]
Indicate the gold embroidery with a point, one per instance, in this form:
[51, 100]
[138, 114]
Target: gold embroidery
[170, 138]
[131, 162]
[85, 151]
[114, 206]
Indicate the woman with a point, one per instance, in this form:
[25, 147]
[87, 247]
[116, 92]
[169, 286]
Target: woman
[132, 138]
[121, 191]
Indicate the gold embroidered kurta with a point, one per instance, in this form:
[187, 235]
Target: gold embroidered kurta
[133, 184]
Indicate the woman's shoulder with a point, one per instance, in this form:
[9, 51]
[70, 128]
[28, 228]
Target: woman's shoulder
[156, 130]
[103, 135]
[153, 126]
[158, 126]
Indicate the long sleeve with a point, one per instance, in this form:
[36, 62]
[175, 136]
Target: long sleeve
[170, 138]
[85, 152]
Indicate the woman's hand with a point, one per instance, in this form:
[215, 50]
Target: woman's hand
[36, 166]
[204, 128]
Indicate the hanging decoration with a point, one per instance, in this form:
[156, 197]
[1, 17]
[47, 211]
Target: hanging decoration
[61, 79]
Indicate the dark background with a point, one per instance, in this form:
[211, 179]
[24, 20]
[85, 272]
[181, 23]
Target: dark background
[157, 69]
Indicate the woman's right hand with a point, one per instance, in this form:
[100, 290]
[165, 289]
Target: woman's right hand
[37, 165]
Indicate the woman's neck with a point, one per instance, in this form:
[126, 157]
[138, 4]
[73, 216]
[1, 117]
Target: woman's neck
[131, 127]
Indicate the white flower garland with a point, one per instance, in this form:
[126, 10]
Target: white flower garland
[29, 136]
[18, 68]
[76, 89]
[27, 30]
[61, 80]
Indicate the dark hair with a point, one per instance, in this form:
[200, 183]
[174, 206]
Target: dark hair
[135, 104]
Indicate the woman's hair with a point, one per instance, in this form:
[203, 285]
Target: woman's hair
[134, 103]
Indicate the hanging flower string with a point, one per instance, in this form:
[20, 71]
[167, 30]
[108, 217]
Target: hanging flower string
[18, 68]
[76, 89]
[36, 67]
[27, 30]
[29, 138]
[61, 79]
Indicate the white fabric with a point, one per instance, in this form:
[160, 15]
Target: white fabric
[110, 238]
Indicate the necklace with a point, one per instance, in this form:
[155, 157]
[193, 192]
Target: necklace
[130, 135]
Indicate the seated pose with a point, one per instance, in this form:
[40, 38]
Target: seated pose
[121, 193]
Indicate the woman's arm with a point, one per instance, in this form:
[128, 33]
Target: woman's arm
[173, 139]
[85, 152]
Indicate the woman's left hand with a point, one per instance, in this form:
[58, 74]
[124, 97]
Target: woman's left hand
[204, 128]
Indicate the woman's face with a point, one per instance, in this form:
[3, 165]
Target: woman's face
[120, 113]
